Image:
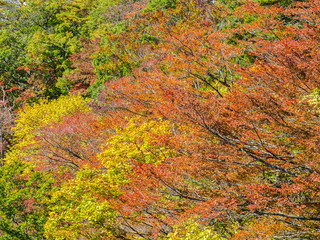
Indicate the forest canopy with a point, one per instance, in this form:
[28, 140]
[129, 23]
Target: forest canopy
[159, 119]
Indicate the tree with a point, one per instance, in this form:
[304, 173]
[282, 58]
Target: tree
[254, 129]
[42, 135]
[206, 125]
[23, 195]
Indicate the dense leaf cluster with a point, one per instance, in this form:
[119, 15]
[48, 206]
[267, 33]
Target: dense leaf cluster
[159, 119]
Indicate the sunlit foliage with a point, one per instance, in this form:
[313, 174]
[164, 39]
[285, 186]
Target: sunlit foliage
[160, 119]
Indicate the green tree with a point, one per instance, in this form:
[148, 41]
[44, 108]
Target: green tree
[23, 200]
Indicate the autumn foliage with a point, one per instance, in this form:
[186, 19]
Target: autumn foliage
[167, 120]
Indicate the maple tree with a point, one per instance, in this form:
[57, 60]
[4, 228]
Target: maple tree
[50, 132]
[248, 130]
[200, 119]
